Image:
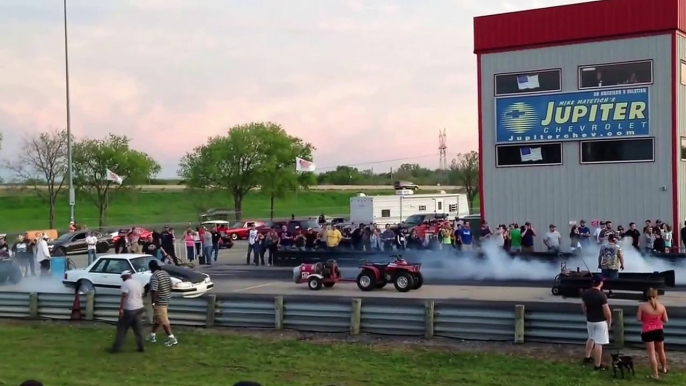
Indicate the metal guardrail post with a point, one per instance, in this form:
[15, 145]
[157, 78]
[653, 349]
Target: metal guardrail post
[211, 310]
[429, 318]
[278, 312]
[90, 306]
[618, 328]
[519, 324]
[33, 305]
[355, 316]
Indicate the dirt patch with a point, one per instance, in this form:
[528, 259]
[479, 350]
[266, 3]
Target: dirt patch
[550, 352]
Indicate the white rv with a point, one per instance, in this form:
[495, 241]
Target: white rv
[395, 209]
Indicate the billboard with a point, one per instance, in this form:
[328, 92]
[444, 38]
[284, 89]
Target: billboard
[573, 116]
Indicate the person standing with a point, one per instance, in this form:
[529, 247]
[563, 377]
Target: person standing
[216, 239]
[528, 235]
[252, 247]
[130, 312]
[92, 242]
[43, 255]
[134, 237]
[598, 321]
[515, 238]
[584, 235]
[611, 258]
[333, 238]
[552, 239]
[160, 295]
[653, 316]
[466, 237]
[207, 245]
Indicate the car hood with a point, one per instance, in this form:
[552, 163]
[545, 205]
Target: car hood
[183, 273]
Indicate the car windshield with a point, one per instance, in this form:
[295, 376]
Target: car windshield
[415, 219]
[236, 225]
[66, 236]
[140, 264]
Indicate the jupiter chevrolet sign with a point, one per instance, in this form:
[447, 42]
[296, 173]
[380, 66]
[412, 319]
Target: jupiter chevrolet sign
[573, 116]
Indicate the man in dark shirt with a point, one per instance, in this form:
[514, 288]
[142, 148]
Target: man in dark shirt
[528, 238]
[216, 238]
[167, 244]
[356, 238]
[634, 234]
[598, 321]
[310, 239]
[584, 234]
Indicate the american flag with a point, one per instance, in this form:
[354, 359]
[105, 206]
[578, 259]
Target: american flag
[531, 154]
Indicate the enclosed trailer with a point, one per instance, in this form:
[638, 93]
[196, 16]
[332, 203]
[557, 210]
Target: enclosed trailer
[395, 209]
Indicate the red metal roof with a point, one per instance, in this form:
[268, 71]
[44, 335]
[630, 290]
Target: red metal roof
[595, 20]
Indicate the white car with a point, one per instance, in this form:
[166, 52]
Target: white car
[104, 276]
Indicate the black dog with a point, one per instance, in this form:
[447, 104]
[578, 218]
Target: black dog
[621, 362]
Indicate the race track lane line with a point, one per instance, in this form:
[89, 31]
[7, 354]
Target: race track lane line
[254, 287]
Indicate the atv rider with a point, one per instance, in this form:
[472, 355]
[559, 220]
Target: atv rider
[611, 259]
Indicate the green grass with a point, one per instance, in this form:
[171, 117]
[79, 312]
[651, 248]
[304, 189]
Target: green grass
[61, 355]
[25, 211]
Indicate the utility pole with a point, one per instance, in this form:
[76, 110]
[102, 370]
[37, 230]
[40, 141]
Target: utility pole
[70, 171]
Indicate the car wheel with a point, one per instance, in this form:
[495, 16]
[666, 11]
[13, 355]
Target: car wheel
[403, 282]
[85, 287]
[314, 283]
[102, 248]
[366, 281]
[418, 281]
[234, 236]
[555, 291]
[15, 275]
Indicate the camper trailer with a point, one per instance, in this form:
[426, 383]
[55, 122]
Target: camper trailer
[395, 209]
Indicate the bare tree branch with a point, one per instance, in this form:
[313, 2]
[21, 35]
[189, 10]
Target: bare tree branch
[41, 166]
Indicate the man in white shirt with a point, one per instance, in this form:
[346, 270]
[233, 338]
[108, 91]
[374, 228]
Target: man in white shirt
[130, 312]
[596, 233]
[252, 247]
[552, 239]
[43, 255]
[91, 241]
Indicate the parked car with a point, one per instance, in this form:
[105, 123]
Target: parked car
[269, 225]
[218, 214]
[420, 219]
[398, 185]
[75, 242]
[104, 276]
[240, 230]
[115, 235]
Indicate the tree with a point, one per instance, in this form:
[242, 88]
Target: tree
[41, 165]
[93, 157]
[279, 174]
[242, 160]
[464, 171]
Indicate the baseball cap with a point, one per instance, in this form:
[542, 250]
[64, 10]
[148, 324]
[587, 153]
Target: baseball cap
[597, 279]
[126, 273]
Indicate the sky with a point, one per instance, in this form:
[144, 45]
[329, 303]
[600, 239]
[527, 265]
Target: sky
[368, 82]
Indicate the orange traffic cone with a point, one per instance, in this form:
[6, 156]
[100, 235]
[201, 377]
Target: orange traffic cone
[76, 308]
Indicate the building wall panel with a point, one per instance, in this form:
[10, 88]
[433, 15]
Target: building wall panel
[575, 22]
[681, 128]
[622, 192]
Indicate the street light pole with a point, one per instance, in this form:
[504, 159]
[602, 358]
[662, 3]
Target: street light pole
[70, 171]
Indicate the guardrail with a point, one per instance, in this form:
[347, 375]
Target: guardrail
[464, 320]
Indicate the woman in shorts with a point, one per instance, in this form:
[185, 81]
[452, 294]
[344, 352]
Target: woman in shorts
[652, 315]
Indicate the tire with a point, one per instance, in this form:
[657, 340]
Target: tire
[102, 248]
[329, 285]
[15, 275]
[366, 281]
[555, 291]
[234, 236]
[418, 281]
[403, 282]
[84, 287]
[314, 283]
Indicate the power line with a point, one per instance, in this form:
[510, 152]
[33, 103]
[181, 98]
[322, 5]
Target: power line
[379, 162]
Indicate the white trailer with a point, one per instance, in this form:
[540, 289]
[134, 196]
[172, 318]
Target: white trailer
[395, 209]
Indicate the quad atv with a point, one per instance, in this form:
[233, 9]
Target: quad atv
[404, 276]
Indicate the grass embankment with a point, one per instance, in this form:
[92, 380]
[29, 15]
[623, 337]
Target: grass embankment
[60, 355]
[25, 211]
